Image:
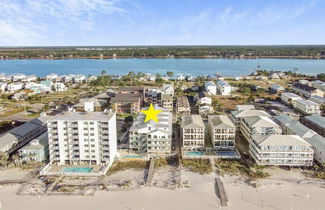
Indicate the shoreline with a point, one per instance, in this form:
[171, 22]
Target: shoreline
[167, 57]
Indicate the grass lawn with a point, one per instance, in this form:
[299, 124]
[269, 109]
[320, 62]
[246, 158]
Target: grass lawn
[201, 166]
[134, 164]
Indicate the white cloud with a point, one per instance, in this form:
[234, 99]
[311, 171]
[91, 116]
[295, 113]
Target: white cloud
[27, 22]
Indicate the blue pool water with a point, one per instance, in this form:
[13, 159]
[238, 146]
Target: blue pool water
[194, 153]
[227, 67]
[132, 156]
[77, 169]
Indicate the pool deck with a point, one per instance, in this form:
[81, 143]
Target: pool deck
[56, 170]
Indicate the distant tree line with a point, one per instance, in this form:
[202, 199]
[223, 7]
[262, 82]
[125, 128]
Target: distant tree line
[186, 51]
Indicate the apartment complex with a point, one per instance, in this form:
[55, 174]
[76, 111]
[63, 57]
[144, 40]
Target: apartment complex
[82, 138]
[258, 125]
[222, 132]
[281, 150]
[126, 103]
[290, 98]
[163, 98]
[21, 135]
[192, 132]
[151, 138]
[236, 116]
[306, 90]
[307, 106]
[315, 122]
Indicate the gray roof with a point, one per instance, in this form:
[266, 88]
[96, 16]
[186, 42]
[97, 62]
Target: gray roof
[131, 88]
[7, 139]
[284, 119]
[317, 141]
[97, 116]
[261, 120]
[279, 140]
[126, 97]
[28, 127]
[192, 121]
[38, 143]
[317, 119]
[299, 129]
[247, 113]
[220, 121]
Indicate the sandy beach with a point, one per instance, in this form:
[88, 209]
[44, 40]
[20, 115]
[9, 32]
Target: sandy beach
[283, 190]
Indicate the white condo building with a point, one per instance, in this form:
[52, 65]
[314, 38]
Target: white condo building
[222, 132]
[151, 138]
[290, 98]
[192, 130]
[307, 106]
[281, 150]
[82, 138]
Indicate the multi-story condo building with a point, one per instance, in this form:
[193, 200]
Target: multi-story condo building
[315, 122]
[153, 96]
[281, 150]
[82, 138]
[290, 98]
[318, 143]
[222, 132]
[167, 102]
[306, 90]
[223, 88]
[258, 125]
[168, 89]
[151, 138]
[307, 106]
[318, 99]
[192, 132]
[237, 115]
[211, 88]
[134, 90]
[21, 135]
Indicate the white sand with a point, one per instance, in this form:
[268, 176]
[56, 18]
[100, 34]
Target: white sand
[12, 173]
[274, 193]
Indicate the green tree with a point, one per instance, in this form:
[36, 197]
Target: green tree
[104, 72]
[170, 73]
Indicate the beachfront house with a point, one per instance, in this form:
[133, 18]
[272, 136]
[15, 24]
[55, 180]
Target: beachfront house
[151, 138]
[222, 132]
[36, 150]
[192, 132]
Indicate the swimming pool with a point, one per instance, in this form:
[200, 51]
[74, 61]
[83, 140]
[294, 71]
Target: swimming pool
[194, 153]
[77, 169]
[132, 156]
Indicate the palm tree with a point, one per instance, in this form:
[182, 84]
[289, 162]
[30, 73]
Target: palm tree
[103, 72]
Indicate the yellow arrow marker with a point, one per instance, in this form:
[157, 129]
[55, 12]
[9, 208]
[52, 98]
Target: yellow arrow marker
[151, 114]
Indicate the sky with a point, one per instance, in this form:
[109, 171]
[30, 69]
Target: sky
[161, 22]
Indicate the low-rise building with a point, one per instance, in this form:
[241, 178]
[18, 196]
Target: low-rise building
[306, 90]
[290, 98]
[151, 138]
[21, 135]
[210, 88]
[258, 125]
[18, 77]
[192, 132]
[315, 122]
[167, 102]
[275, 88]
[307, 106]
[79, 78]
[36, 150]
[223, 88]
[318, 99]
[237, 115]
[29, 78]
[60, 86]
[222, 132]
[319, 85]
[51, 76]
[126, 103]
[82, 138]
[318, 143]
[281, 150]
[204, 98]
[3, 86]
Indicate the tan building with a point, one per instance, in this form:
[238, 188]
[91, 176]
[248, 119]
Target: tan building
[126, 103]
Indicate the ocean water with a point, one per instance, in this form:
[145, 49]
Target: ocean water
[226, 67]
